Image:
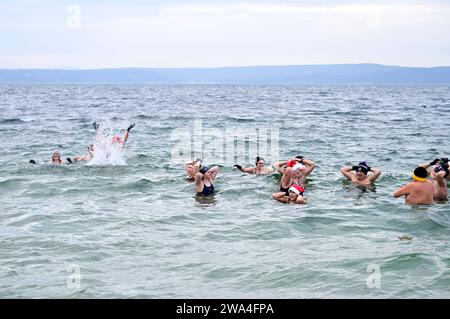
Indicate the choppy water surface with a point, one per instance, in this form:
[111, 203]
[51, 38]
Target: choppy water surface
[137, 230]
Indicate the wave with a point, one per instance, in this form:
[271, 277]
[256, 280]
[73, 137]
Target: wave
[8, 183]
[14, 121]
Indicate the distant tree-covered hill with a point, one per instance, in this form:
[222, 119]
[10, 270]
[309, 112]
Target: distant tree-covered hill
[301, 74]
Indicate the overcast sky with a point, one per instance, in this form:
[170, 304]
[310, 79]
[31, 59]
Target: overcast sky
[138, 33]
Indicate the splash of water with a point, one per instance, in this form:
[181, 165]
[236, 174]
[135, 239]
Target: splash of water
[106, 151]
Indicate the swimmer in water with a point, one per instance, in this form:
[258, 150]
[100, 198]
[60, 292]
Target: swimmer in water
[361, 176]
[121, 141]
[439, 173]
[192, 168]
[294, 172]
[418, 192]
[444, 160]
[117, 140]
[295, 195]
[259, 169]
[204, 180]
[86, 157]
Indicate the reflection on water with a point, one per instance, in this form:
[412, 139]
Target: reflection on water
[203, 200]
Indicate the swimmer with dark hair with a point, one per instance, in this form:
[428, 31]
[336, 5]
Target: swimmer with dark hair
[419, 191]
[361, 176]
[438, 172]
[259, 169]
[295, 195]
[204, 180]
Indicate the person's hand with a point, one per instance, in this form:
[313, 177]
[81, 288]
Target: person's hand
[95, 125]
[435, 161]
[130, 127]
[355, 167]
[239, 167]
[69, 160]
[32, 162]
[444, 160]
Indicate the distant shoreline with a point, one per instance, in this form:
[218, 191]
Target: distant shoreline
[351, 74]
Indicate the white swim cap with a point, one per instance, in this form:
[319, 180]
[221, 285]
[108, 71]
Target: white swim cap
[298, 167]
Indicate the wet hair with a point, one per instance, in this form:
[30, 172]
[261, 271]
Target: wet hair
[259, 158]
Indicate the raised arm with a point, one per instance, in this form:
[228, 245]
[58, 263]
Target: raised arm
[280, 166]
[192, 168]
[214, 171]
[347, 172]
[427, 165]
[127, 133]
[310, 166]
[198, 182]
[250, 170]
[440, 179]
[281, 197]
[376, 172]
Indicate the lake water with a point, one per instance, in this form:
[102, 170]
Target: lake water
[138, 230]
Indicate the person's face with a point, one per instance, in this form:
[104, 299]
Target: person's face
[56, 157]
[292, 196]
[260, 164]
[207, 174]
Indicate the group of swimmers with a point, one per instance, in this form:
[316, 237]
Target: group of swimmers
[429, 179]
[116, 141]
[428, 185]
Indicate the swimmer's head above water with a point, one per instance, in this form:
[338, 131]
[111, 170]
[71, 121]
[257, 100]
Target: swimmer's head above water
[117, 139]
[442, 168]
[260, 161]
[56, 156]
[295, 191]
[298, 170]
[362, 169]
[204, 170]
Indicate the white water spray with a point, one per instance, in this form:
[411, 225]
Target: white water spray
[107, 151]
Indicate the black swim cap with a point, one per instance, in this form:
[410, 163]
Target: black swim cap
[442, 167]
[421, 172]
[363, 167]
[204, 169]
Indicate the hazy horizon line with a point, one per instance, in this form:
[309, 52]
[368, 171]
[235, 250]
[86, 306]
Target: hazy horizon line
[70, 68]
